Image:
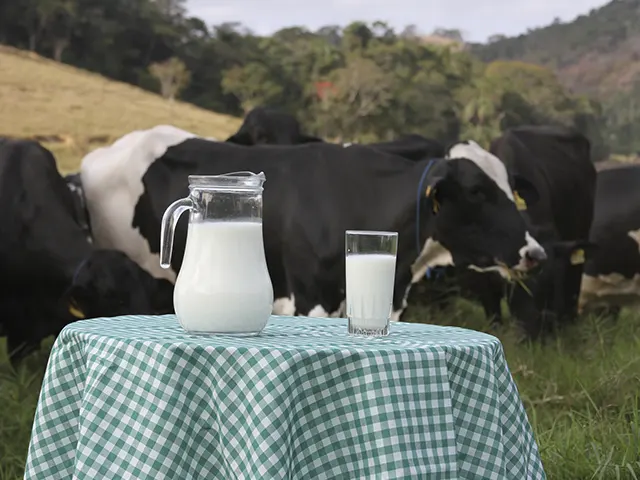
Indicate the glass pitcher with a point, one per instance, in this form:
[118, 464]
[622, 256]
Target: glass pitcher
[223, 285]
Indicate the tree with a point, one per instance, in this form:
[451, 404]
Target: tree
[60, 27]
[172, 75]
[409, 32]
[171, 8]
[254, 85]
[39, 15]
[364, 82]
[361, 91]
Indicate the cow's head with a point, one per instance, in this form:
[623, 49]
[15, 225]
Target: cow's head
[475, 219]
[108, 283]
[265, 126]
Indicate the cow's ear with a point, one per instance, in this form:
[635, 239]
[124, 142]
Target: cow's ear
[525, 193]
[433, 193]
[576, 252]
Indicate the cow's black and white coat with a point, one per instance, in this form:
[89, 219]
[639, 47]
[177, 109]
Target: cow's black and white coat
[112, 183]
[47, 263]
[313, 193]
[611, 278]
[555, 162]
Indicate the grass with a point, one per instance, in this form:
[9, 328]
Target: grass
[581, 391]
[79, 110]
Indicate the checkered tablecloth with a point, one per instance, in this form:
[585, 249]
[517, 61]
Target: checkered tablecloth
[138, 398]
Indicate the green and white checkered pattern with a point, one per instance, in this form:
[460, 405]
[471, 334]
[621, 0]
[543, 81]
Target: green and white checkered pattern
[136, 397]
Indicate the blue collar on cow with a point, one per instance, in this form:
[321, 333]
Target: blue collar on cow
[418, 201]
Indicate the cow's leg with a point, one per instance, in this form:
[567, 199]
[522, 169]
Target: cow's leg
[524, 309]
[308, 300]
[488, 289]
[570, 292]
[283, 300]
[304, 288]
[491, 306]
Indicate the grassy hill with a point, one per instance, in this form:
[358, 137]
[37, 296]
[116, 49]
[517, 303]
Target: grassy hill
[72, 111]
[596, 54]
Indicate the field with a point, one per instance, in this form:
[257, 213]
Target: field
[72, 111]
[581, 392]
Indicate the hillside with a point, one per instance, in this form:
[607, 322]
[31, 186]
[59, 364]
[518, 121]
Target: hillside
[73, 111]
[597, 54]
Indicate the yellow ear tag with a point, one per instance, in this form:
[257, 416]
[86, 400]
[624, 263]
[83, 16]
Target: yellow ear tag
[428, 193]
[577, 257]
[75, 312]
[520, 203]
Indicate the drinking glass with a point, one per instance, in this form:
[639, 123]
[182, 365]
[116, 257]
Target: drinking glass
[370, 269]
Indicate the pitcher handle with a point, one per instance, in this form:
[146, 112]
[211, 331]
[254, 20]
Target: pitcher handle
[168, 227]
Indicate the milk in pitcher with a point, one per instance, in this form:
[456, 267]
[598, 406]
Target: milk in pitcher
[370, 281]
[222, 280]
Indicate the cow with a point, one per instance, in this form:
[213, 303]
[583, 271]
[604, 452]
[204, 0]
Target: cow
[411, 146]
[448, 212]
[556, 161]
[263, 126]
[611, 277]
[51, 274]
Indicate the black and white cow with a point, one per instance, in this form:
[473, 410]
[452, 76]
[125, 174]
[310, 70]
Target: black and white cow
[51, 275]
[314, 193]
[263, 126]
[557, 161]
[611, 278]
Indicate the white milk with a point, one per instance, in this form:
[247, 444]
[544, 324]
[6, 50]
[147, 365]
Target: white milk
[223, 285]
[370, 279]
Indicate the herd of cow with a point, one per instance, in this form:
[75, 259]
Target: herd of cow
[531, 219]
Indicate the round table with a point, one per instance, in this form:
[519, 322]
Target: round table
[137, 397]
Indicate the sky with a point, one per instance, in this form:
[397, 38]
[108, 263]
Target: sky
[477, 19]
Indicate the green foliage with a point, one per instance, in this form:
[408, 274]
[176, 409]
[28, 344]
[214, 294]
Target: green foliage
[364, 82]
[596, 54]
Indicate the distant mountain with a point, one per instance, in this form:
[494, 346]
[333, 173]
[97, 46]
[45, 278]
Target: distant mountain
[597, 54]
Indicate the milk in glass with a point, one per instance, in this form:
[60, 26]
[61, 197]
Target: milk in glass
[223, 285]
[369, 280]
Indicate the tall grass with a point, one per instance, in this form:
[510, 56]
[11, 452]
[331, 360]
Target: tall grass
[581, 391]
